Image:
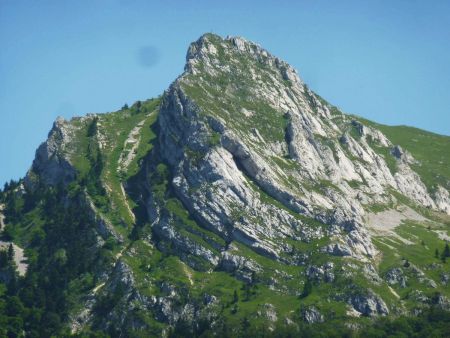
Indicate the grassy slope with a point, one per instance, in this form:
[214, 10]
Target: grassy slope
[420, 252]
[116, 127]
[113, 130]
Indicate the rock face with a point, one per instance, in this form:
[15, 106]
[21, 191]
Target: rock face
[311, 315]
[442, 198]
[321, 273]
[243, 267]
[51, 164]
[396, 276]
[369, 304]
[222, 171]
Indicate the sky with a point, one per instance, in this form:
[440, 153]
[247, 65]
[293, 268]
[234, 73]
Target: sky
[387, 61]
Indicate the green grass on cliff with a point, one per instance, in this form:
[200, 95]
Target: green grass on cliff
[234, 96]
[117, 127]
[432, 151]
[111, 133]
[416, 250]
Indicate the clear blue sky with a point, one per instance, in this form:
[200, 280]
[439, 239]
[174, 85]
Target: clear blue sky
[388, 61]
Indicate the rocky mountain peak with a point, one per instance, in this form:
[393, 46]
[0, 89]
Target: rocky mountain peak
[245, 136]
[213, 50]
[239, 182]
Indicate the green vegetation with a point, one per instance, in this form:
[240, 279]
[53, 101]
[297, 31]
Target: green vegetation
[417, 250]
[61, 264]
[385, 152]
[54, 227]
[116, 127]
[214, 139]
[99, 152]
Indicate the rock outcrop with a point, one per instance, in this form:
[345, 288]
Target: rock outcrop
[396, 277]
[312, 315]
[51, 163]
[368, 304]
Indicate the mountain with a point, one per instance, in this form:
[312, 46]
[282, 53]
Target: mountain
[238, 203]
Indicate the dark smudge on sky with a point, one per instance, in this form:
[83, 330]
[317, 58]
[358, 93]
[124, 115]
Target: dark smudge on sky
[148, 56]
